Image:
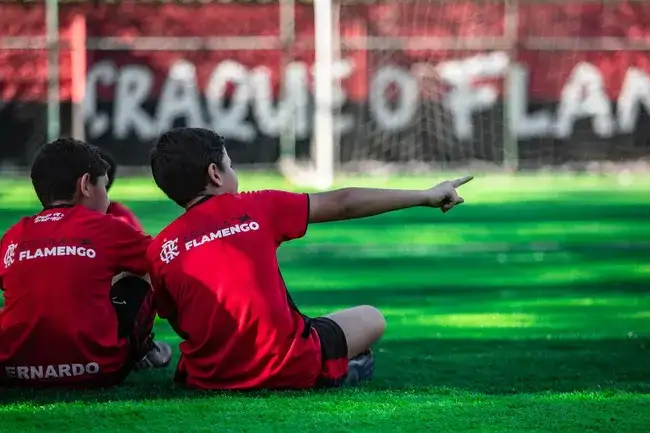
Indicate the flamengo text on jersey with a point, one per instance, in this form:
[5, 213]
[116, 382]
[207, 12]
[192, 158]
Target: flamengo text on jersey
[31, 372]
[63, 250]
[208, 237]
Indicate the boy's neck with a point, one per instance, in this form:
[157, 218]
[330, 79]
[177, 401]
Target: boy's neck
[207, 192]
[62, 203]
[59, 203]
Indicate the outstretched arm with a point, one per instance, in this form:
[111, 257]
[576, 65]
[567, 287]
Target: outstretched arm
[351, 203]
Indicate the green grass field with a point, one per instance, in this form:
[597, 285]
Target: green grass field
[527, 309]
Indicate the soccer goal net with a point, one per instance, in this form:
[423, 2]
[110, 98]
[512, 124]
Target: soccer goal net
[499, 85]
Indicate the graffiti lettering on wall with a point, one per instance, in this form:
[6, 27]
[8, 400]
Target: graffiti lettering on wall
[465, 86]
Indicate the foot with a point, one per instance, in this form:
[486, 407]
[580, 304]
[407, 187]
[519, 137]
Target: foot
[158, 356]
[360, 368]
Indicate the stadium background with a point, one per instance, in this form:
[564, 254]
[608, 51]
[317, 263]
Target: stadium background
[526, 309]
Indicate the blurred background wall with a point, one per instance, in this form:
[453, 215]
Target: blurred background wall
[512, 84]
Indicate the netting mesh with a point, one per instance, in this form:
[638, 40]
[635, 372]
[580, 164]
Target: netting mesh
[462, 83]
[410, 62]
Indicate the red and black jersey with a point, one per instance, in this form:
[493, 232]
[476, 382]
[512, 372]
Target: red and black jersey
[122, 212]
[59, 325]
[216, 278]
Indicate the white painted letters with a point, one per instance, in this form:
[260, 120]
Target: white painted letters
[180, 98]
[103, 73]
[635, 92]
[230, 121]
[393, 119]
[133, 88]
[525, 126]
[241, 103]
[584, 96]
[465, 98]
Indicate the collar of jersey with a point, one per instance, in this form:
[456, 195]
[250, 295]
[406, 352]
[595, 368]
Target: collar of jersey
[58, 206]
[200, 201]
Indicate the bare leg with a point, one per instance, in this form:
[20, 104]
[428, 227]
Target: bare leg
[362, 327]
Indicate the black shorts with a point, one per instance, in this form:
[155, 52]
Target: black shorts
[334, 351]
[132, 299]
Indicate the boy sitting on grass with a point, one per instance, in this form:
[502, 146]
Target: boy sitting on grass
[68, 320]
[216, 277]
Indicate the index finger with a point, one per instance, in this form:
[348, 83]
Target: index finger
[461, 181]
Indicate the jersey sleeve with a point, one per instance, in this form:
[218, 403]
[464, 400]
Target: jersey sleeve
[127, 246]
[120, 211]
[288, 213]
[5, 260]
[8, 245]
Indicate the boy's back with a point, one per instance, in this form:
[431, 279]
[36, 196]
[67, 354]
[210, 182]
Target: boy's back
[57, 271]
[216, 275]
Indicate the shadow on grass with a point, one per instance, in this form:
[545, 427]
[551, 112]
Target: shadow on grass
[492, 367]
[457, 296]
[504, 366]
[460, 264]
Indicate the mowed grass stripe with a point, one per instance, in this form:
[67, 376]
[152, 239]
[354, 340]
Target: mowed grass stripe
[368, 411]
[487, 188]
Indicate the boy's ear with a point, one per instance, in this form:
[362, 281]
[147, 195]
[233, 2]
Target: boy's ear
[214, 175]
[83, 185]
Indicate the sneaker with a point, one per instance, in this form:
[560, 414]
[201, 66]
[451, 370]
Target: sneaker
[159, 356]
[360, 368]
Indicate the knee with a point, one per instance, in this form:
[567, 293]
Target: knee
[375, 321]
[128, 287]
[119, 277]
[128, 277]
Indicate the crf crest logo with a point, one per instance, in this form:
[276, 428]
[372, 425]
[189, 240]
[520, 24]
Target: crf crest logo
[169, 251]
[9, 255]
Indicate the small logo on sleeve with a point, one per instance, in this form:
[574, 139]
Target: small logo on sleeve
[169, 251]
[10, 255]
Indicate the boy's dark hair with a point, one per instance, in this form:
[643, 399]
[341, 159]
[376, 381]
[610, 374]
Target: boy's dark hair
[59, 164]
[112, 166]
[180, 160]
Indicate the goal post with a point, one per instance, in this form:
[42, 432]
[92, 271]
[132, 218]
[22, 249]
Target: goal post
[318, 171]
[323, 138]
[52, 38]
[78, 60]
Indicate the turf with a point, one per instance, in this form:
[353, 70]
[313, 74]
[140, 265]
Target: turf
[524, 310]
